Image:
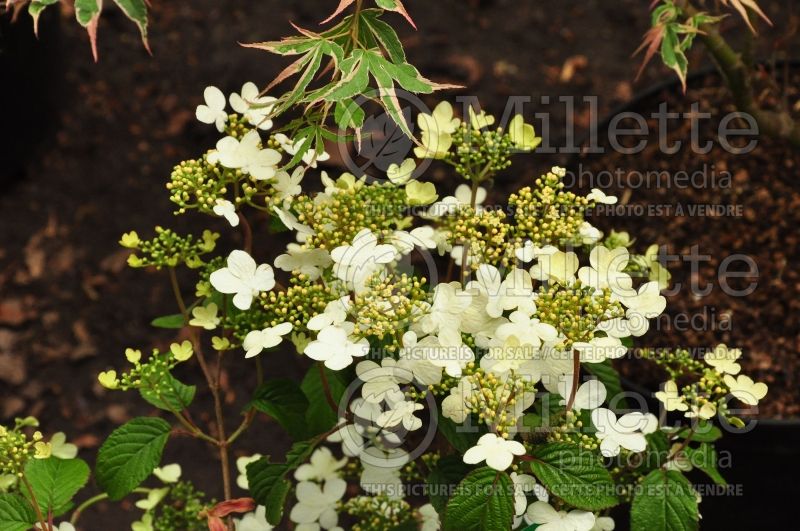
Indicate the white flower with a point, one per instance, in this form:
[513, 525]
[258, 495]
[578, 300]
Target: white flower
[548, 519]
[291, 222]
[241, 466]
[723, 359]
[743, 388]
[213, 112]
[168, 473]
[423, 237]
[423, 371]
[245, 154]
[606, 271]
[527, 330]
[253, 107]
[524, 483]
[355, 262]
[254, 521]
[334, 315]
[401, 412]
[514, 292]
[633, 324]
[590, 395]
[648, 301]
[257, 340]
[309, 262]
[225, 209]
[600, 349]
[381, 471]
[527, 252]
[706, 411]
[555, 266]
[447, 309]
[670, 397]
[288, 186]
[154, 497]
[495, 450]
[628, 432]
[437, 129]
[402, 173]
[335, 348]
[589, 233]
[456, 406]
[381, 382]
[429, 517]
[243, 278]
[317, 504]
[322, 466]
[205, 316]
[598, 196]
[63, 526]
[59, 447]
[603, 523]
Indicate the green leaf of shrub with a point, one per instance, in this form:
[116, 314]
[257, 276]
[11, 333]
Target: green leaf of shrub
[462, 438]
[55, 481]
[130, 454]
[664, 501]
[575, 475]
[267, 481]
[169, 321]
[704, 458]
[449, 471]
[284, 401]
[167, 393]
[319, 416]
[16, 514]
[484, 500]
[136, 10]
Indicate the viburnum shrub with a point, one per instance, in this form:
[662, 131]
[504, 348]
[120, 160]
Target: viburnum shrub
[459, 356]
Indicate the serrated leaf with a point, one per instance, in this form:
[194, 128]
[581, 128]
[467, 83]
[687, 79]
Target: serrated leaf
[16, 514]
[385, 35]
[284, 401]
[136, 10]
[55, 481]
[319, 416]
[173, 321]
[609, 377]
[704, 458]
[277, 501]
[348, 114]
[447, 473]
[462, 438]
[483, 500]
[267, 481]
[35, 9]
[704, 431]
[575, 475]
[130, 454]
[165, 392]
[339, 9]
[397, 6]
[664, 501]
[87, 12]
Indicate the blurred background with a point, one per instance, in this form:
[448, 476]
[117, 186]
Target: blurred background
[85, 151]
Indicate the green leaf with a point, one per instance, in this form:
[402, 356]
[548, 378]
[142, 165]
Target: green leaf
[277, 501]
[609, 377]
[483, 500]
[449, 471]
[16, 514]
[575, 475]
[165, 392]
[130, 454]
[169, 321]
[348, 114]
[462, 438]
[55, 481]
[385, 35]
[87, 10]
[704, 458]
[35, 9]
[284, 401]
[657, 449]
[704, 431]
[136, 10]
[664, 501]
[319, 416]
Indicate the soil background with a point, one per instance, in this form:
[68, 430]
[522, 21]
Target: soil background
[85, 150]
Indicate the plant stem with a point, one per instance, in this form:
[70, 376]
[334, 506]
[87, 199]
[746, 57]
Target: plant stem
[176, 290]
[45, 525]
[465, 251]
[248, 233]
[76, 514]
[576, 374]
[327, 388]
[738, 78]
